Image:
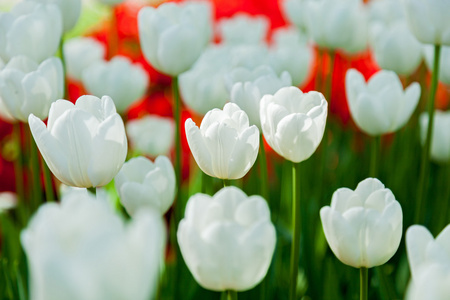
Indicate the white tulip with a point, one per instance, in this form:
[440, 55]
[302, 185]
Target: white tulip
[295, 12]
[224, 146]
[380, 106]
[30, 29]
[243, 29]
[70, 11]
[431, 283]
[27, 87]
[440, 139]
[151, 135]
[293, 123]
[80, 53]
[80, 249]
[119, 78]
[174, 35]
[444, 62]
[144, 184]
[85, 144]
[363, 227]
[227, 240]
[8, 200]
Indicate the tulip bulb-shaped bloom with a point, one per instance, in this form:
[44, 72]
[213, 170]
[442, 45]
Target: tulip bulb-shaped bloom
[85, 144]
[224, 146]
[363, 227]
[151, 135]
[444, 62]
[8, 200]
[429, 21]
[30, 29]
[29, 88]
[295, 12]
[380, 106]
[80, 53]
[118, 78]
[81, 249]
[423, 249]
[243, 29]
[293, 123]
[248, 94]
[143, 184]
[440, 141]
[430, 283]
[227, 240]
[70, 11]
[173, 35]
[111, 2]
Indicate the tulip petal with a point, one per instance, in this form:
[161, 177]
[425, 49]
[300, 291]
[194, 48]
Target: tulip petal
[417, 240]
[244, 154]
[198, 147]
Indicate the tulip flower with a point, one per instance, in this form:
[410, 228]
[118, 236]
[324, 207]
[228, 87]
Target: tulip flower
[70, 11]
[119, 78]
[84, 144]
[111, 2]
[8, 200]
[202, 87]
[380, 106]
[227, 240]
[440, 141]
[142, 184]
[224, 146]
[151, 135]
[292, 54]
[444, 62]
[243, 29]
[337, 24]
[293, 123]
[174, 35]
[395, 47]
[428, 20]
[80, 53]
[27, 87]
[248, 93]
[430, 283]
[363, 227]
[386, 11]
[249, 56]
[81, 249]
[295, 13]
[19, 34]
[423, 249]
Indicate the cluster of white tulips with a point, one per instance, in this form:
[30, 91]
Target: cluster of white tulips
[126, 222]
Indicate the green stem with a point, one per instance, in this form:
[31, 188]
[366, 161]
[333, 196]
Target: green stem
[92, 190]
[424, 164]
[226, 182]
[35, 173]
[18, 162]
[63, 61]
[231, 295]
[363, 283]
[177, 117]
[329, 79]
[262, 157]
[48, 183]
[295, 246]
[374, 153]
[318, 83]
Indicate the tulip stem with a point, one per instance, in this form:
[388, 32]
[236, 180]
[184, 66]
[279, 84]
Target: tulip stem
[263, 170]
[295, 245]
[92, 190]
[424, 164]
[374, 153]
[48, 183]
[231, 295]
[18, 163]
[35, 173]
[177, 117]
[363, 283]
[226, 183]
[64, 66]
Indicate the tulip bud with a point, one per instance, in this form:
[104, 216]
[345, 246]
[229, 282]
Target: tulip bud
[431, 283]
[80, 249]
[84, 145]
[173, 35]
[8, 200]
[363, 227]
[243, 29]
[151, 135]
[80, 53]
[70, 11]
[143, 184]
[227, 240]
[293, 123]
[29, 88]
[444, 62]
[380, 106]
[124, 82]
[224, 146]
[440, 139]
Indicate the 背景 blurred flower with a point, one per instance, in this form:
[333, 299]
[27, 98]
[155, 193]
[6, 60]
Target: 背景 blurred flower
[144, 184]
[363, 227]
[118, 78]
[295, 12]
[444, 62]
[224, 146]
[174, 35]
[80, 249]
[84, 144]
[151, 135]
[430, 283]
[227, 240]
[27, 87]
[250, 86]
[31, 29]
[70, 11]
[428, 20]
[80, 53]
[8, 200]
[293, 123]
[243, 29]
[440, 140]
[380, 106]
